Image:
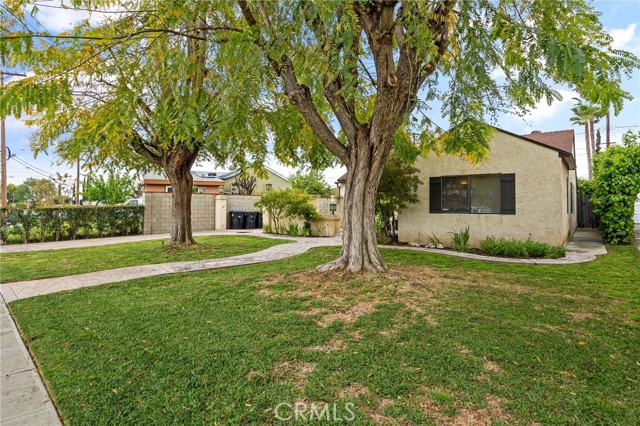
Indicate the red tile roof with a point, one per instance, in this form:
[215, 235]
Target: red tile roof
[560, 140]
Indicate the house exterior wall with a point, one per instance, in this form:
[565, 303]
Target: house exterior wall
[276, 181]
[569, 215]
[162, 187]
[540, 181]
[157, 212]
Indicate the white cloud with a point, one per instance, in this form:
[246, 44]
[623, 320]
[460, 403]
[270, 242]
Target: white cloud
[543, 112]
[59, 20]
[55, 19]
[626, 38]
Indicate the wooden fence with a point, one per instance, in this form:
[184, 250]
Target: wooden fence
[586, 217]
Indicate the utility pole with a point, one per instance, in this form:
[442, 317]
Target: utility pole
[608, 131]
[78, 182]
[3, 141]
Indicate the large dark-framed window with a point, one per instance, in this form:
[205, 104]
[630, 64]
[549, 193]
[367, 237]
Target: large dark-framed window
[473, 194]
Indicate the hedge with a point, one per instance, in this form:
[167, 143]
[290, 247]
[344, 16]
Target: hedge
[68, 222]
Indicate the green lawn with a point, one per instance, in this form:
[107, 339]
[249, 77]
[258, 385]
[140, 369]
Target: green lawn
[55, 263]
[436, 340]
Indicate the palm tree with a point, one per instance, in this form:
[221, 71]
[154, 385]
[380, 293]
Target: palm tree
[587, 115]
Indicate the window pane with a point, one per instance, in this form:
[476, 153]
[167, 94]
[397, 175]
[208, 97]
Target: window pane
[455, 194]
[485, 194]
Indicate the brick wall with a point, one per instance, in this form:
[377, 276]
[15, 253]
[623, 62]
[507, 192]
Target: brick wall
[157, 212]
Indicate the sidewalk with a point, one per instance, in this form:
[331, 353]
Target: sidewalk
[25, 400]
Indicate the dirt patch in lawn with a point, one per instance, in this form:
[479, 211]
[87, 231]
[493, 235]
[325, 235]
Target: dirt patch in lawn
[492, 367]
[582, 316]
[353, 391]
[465, 416]
[333, 345]
[348, 316]
[298, 370]
[481, 416]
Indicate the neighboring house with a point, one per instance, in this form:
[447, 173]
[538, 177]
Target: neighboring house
[636, 212]
[204, 182]
[274, 181]
[524, 189]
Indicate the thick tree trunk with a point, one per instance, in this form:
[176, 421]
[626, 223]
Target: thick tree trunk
[359, 246]
[178, 170]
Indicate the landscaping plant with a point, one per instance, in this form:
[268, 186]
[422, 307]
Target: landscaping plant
[514, 248]
[461, 239]
[616, 185]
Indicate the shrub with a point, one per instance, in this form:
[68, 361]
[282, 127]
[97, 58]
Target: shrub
[294, 230]
[515, 248]
[383, 238]
[54, 221]
[461, 239]
[616, 184]
[288, 204]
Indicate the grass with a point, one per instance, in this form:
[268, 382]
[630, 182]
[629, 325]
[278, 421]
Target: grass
[25, 266]
[436, 340]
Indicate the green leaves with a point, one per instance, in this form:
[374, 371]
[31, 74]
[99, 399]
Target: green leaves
[615, 188]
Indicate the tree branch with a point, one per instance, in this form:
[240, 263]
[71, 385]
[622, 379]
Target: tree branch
[298, 94]
[332, 85]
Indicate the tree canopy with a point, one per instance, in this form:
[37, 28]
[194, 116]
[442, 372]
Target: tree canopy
[311, 181]
[115, 189]
[351, 78]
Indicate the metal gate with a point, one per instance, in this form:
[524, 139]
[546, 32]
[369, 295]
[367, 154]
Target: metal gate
[586, 217]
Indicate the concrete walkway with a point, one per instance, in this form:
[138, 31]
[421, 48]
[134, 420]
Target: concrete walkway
[24, 289]
[585, 245]
[24, 398]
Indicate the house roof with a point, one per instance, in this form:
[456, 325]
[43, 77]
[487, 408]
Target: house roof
[234, 173]
[560, 140]
[198, 176]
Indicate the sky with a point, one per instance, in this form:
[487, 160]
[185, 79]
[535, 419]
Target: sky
[621, 19]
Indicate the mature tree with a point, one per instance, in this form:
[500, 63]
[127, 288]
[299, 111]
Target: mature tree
[246, 184]
[144, 87]
[587, 114]
[367, 61]
[398, 188]
[115, 189]
[44, 192]
[18, 193]
[310, 181]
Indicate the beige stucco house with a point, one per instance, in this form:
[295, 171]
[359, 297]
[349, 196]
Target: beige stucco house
[273, 181]
[524, 189]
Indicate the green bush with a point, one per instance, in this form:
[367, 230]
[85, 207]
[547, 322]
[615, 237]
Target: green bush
[294, 230]
[515, 248]
[288, 204]
[382, 238]
[52, 222]
[616, 184]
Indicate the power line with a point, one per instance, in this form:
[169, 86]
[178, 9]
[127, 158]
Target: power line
[31, 166]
